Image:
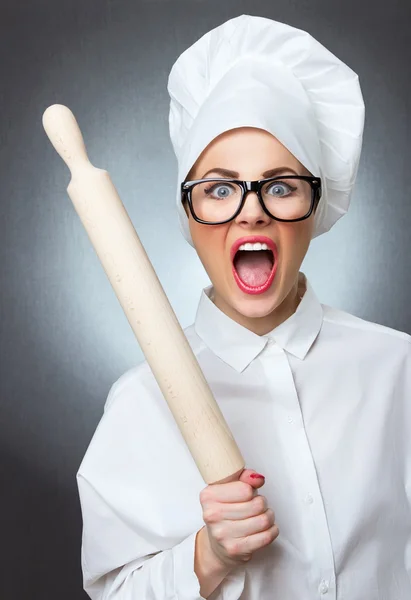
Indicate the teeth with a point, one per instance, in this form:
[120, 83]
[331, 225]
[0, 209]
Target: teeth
[256, 246]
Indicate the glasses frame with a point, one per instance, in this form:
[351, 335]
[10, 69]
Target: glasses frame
[253, 186]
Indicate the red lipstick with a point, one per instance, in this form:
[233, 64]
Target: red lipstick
[247, 289]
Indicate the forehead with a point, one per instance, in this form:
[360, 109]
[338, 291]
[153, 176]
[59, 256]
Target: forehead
[242, 136]
[245, 149]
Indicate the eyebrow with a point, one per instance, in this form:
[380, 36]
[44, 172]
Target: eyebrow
[235, 175]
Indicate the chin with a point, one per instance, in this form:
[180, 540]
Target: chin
[256, 306]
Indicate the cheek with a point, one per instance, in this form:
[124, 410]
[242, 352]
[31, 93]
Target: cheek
[294, 240]
[209, 242]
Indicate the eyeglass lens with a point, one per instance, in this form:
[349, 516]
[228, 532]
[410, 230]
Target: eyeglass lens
[219, 200]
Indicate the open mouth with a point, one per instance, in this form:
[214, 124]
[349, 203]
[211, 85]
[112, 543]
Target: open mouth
[254, 266]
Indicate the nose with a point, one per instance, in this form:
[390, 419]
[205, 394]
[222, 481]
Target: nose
[252, 213]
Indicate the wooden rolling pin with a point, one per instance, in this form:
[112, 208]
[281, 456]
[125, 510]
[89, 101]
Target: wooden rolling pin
[145, 304]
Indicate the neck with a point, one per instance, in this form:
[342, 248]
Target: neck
[263, 325]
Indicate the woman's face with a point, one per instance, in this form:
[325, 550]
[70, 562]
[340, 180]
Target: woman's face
[250, 152]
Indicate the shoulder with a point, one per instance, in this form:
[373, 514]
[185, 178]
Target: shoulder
[362, 326]
[139, 381]
[359, 331]
[136, 420]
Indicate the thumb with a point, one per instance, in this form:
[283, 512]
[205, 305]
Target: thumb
[256, 480]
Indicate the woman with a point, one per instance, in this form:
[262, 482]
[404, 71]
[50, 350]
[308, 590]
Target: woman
[267, 126]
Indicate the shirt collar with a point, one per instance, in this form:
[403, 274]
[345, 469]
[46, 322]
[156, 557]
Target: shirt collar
[238, 346]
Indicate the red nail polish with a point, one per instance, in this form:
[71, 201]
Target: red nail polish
[257, 476]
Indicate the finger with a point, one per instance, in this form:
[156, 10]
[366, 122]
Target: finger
[246, 527]
[256, 480]
[244, 510]
[235, 491]
[259, 540]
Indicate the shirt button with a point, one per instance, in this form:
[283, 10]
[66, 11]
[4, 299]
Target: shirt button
[309, 499]
[323, 587]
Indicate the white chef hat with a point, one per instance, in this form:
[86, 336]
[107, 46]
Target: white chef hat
[256, 72]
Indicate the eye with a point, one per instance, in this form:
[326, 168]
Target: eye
[279, 189]
[219, 190]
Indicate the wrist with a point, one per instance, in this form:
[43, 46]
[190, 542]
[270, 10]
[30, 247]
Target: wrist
[209, 560]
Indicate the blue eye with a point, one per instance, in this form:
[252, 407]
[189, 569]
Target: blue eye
[219, 191]
[280, 188]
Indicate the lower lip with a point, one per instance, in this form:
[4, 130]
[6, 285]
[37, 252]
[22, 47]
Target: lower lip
[248, 289]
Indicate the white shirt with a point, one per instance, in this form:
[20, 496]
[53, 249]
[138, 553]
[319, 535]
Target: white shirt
[321, 406]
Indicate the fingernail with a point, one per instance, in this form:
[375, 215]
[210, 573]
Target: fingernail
[257, 476]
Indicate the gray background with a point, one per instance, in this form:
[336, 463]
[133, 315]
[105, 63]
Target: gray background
[64, 338]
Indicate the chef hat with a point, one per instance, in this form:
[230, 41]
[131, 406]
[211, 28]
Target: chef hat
[256, 72]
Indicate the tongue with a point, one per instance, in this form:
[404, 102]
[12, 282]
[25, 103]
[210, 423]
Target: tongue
[253, 267]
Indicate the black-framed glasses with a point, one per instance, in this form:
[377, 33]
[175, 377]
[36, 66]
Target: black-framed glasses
[283, 198]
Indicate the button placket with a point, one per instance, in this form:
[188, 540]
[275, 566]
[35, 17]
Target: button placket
[280, 377]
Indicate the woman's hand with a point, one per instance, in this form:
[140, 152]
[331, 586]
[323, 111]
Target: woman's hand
[237, 519]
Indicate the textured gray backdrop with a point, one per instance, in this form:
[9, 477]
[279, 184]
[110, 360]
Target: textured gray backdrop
[64, 338]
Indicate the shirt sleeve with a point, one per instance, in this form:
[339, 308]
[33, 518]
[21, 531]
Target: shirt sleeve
[139, 537]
